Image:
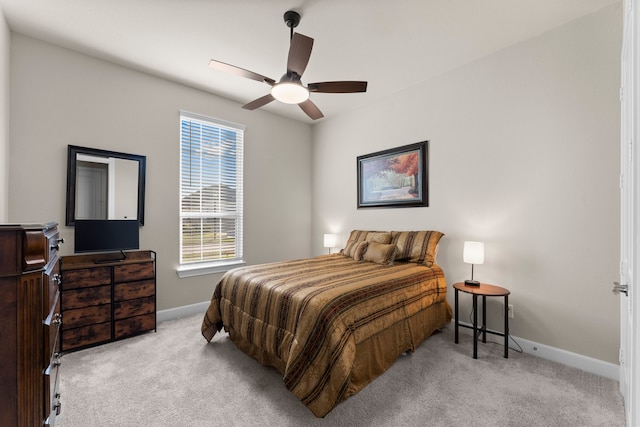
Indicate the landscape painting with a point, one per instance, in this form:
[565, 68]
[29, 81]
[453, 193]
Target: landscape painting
[394, 178]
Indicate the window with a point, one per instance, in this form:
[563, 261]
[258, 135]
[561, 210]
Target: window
[211, 158]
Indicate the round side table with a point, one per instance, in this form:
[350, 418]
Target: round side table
[484, 290]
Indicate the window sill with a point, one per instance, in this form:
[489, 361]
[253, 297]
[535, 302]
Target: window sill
[191, 270]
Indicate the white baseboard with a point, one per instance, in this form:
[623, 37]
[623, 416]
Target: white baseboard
[185, 310]
[575, 360]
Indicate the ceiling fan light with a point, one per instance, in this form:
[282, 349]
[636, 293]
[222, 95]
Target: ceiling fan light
[290, 93]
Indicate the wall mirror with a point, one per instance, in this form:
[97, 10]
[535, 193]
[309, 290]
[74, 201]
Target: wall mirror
[104, 184]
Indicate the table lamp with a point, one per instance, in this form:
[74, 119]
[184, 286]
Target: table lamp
[330, 241]
[473, 253]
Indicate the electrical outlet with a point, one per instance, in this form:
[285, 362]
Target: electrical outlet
[509, 311]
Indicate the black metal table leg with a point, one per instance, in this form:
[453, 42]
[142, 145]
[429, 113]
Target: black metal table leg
[475, 326]
[484, 318]
[457, 318]
[506, 326]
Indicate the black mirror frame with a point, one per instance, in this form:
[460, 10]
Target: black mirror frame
[72, 152]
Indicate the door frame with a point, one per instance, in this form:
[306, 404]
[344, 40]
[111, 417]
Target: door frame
[629, 203]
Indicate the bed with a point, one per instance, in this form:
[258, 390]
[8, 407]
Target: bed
[333, 323]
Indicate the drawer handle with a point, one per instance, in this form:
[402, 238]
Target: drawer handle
[57, 319]
[57, 279]
[56, 247]
[57, 359]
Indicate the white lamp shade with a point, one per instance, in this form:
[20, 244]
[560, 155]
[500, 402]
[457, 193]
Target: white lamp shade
[473, 252]
[330, 240]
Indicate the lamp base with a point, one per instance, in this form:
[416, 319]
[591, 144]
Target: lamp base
[471, 283]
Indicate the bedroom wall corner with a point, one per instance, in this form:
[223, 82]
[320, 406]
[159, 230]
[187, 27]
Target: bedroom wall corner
[524, 155]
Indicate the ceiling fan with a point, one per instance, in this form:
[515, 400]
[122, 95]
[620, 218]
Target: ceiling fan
[290, 89]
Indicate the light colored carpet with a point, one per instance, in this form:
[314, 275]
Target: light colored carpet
[174, 378]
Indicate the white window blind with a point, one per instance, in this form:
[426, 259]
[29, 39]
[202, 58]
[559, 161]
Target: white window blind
[211, 159]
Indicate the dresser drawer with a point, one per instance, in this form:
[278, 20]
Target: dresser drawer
[102, 301]
[56, 407]
[86, 335]
[132, 290]
[79, 298]
[134, 307]
[86, 277]
[135, 325]
[51, 288]
[52, 399]
[51, 373]
[131, 272]
[53, 245]
[52, 328]
[86, 316]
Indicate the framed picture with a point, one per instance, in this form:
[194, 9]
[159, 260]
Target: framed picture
[394, 178]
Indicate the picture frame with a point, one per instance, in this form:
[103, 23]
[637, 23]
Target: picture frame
[394, 178]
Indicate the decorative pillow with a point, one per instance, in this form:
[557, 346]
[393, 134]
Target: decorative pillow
[355, 237]
[379, 237]
[420, 247]
[380, 253]
[360, 250]
[358, 236]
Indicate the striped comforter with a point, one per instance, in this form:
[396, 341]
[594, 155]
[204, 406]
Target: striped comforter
[307, 317]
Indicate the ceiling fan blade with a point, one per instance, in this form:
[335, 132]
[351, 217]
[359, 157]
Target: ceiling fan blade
[338, 87]
[257, 103]
[232, 69]
[299, 53]
[311, 109]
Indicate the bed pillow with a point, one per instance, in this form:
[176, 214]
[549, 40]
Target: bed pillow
[355, 237]
[379, 237]
[361, 248]
[358, 236]
[420, 247]
[380, 253]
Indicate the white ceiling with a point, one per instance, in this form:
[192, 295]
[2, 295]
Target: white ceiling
[392, 44]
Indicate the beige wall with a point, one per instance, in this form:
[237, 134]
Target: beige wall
[59, 97]
[524, 155]
[5, 38]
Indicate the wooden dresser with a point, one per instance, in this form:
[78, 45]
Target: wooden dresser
[106, 301]
[29, 344]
